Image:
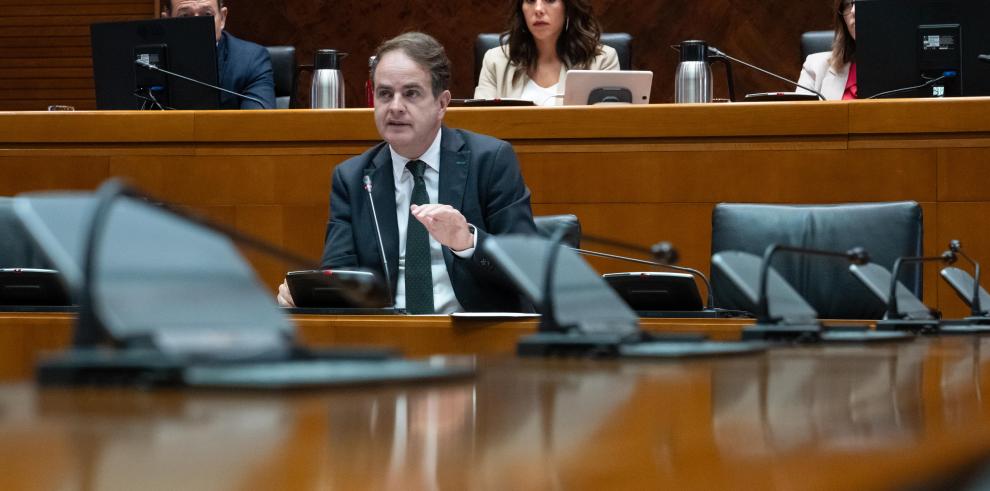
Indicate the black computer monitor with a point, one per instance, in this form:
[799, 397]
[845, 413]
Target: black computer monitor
[903, 43]
[186, 46]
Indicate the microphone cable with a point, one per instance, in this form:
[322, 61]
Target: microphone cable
[930, 82]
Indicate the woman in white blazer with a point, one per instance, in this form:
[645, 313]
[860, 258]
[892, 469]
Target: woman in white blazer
[544, 39]
[833, 73]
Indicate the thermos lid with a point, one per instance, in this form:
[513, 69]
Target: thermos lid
[328, 59]
[694, 51]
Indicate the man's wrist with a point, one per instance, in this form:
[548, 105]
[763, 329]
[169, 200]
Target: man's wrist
[470, 243]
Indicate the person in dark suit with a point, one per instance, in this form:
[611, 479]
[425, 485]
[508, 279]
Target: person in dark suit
[439, 193]
[244, 67]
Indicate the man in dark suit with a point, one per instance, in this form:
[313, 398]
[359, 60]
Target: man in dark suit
[244, 67]
[439, 193]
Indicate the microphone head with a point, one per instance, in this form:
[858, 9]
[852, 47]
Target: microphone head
[664, 252]
[949, 257]
[858, 255]
[955, 245]
[367, 182]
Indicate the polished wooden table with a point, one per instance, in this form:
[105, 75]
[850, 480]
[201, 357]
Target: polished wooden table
[839, 417]
[641, 173]
[26, 336]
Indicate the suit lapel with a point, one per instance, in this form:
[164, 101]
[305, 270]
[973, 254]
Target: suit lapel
[383, 193]
[454, 161]
[222, 49]
[454, 165]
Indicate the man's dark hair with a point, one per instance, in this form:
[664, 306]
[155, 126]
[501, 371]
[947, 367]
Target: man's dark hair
[423, 49]
[167, 6]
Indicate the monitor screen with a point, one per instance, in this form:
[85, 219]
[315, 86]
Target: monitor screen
[186, 46]
[905, 43]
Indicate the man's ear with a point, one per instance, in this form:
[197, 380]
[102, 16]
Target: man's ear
[444, 100]
[223, 18]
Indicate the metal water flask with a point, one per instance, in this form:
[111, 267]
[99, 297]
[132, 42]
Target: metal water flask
[328, 80]
[693, 82]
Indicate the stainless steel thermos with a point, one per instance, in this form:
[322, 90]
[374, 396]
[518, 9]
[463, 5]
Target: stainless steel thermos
[328, 80]
[693, 81]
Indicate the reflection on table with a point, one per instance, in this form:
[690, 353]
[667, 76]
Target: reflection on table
[836, 417]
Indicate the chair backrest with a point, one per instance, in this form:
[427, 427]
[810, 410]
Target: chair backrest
[816, 42]
[17, 250]
[886, 230]
[284, 70]
[621, 42]
[548, 224]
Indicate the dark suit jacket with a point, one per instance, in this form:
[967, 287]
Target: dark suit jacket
[479, 175]
[245, 68]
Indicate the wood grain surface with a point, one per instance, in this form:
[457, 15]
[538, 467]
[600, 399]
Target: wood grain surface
[896, 416]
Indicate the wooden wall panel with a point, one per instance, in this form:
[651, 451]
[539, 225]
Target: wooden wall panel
[964, 174]
[766, 33]
[44, 49]
[713, 176]
[967, 222]
[24, 172]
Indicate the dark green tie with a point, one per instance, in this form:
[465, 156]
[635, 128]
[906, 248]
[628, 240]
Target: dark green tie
[419, 273]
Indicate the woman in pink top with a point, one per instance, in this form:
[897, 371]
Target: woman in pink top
[833, 73]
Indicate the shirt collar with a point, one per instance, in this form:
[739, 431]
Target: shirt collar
[431, 156]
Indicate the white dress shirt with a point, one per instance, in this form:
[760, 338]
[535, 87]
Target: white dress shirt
[444, 300]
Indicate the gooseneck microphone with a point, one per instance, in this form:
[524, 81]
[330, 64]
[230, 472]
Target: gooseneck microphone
[984, 58]
[717, 52]
[155, 68]
[947, 257]
[956, 248]
[664, 255]
[90, 327]
[381, 244]
[856, 255]
[928, 83]
[662, 252]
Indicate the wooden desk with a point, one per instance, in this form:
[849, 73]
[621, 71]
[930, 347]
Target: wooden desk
[25, 336]
[643, 173]
[848, 418]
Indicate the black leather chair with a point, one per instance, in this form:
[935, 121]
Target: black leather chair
[284, 70]
[816, 42]
[17, 250]
[886, 230]
[548, 224]
[621, 42]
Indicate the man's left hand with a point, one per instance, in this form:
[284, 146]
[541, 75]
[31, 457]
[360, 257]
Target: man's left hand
[445, 224]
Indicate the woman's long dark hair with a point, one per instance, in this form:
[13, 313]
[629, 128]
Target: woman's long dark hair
[577, 46]
[843, 46]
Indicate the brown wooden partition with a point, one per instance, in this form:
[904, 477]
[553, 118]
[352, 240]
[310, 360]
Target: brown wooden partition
[643, 174]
